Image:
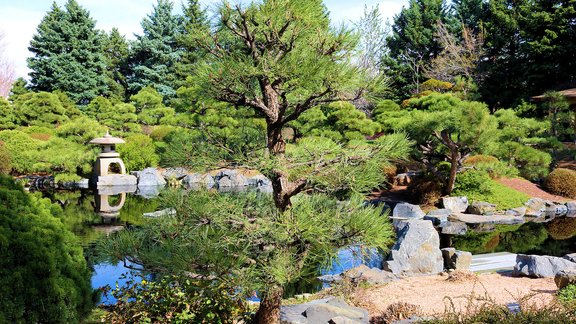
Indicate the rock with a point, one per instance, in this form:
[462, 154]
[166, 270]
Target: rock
[342, 320]
[417, 250]
[481, 208]
[116, 190]
[116, 180]
[518, 212]
[230, 178]
[456, 260]
[330, 278]
[265, 189]
[536, 204]
[556, 209]
[258, 181]
[570, 257]
[196, 181]
[438, 216]
[371, 276]
[161, 213]
[149, 177]
[323, 311]
[454, 228]
[406, 210]
[174, 173]
[148, 191]
[541, 266]
[571, 206]
[485, 219]
[564, 278]
[455, 204]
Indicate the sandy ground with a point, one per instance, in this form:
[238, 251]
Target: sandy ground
[435, 294]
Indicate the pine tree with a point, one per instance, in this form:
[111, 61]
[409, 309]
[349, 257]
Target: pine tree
[154, 54]
[471, 13]
[68, 54]
[413, 44]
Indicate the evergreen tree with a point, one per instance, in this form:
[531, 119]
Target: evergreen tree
[471, 13]
[68, 54]
[154, 54]
[412, 43]
[19, 87]
[194, 21]
[116, 51]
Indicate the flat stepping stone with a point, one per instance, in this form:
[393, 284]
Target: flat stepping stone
[486, 219]
[493, 262]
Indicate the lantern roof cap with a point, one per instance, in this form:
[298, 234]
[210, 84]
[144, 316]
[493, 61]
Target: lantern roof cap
[107, 140]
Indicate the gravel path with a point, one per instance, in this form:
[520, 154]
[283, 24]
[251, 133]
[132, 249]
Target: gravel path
[435, 294]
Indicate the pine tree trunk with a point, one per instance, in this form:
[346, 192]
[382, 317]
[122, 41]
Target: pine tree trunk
[454, 161]
[269, 310]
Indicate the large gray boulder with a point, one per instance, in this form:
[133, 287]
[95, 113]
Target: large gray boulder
[570, 257]
[417, 250]
[174, 173]
[196, 181]
[230, 178]
[373, 276]
[518, 212]
[541, 266]
[456, 260]
[258, 181]
[454, 228]
[455, 204]
[409, 211]
[571, 206]
[149, 177]
[481, 208]
[564, 278]
[323, 311]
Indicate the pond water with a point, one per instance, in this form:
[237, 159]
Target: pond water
[93, 216]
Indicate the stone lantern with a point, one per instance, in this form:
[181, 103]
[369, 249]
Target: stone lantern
[108, 158]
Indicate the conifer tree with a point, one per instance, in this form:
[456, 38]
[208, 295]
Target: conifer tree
[154, 54]
[116, 51]
[68, 54]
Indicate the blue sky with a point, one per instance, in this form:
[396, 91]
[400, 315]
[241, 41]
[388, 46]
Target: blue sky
[20, 18]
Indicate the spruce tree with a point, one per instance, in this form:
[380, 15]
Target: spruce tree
[68, 54]
[154, 54]
[413, 44]
[116, 51]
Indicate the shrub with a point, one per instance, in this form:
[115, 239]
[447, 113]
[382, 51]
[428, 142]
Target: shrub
[138, 152]
[160, 132]
[22, 148]
[5, 161]
[478, 186]
[43, 274]
[41, 136]
[425, 191]
[397, 312]
[567, 295]
[176, 300]
[562, 182]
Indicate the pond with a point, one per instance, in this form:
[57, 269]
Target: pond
[93, 216]
[84, 215]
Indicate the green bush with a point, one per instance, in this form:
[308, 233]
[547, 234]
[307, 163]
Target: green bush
[5, 160]
[43, 274]
[181, 299]
[138, 152]
[160, 132]
[562, 182]
[22, 148]
[567, 295]
[478, 186]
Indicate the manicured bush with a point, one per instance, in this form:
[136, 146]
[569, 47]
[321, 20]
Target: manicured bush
[562, 182]
[138, 152]
[478, 186]
[5, 160]
[495, 168]
[43, 274]
[567, 295]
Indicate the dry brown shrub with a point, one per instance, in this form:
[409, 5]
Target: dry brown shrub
[461, 276]
[396, 312]
[41, 136]
[425, 191]
[390, 172]
[561, 182]
[476, 159]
